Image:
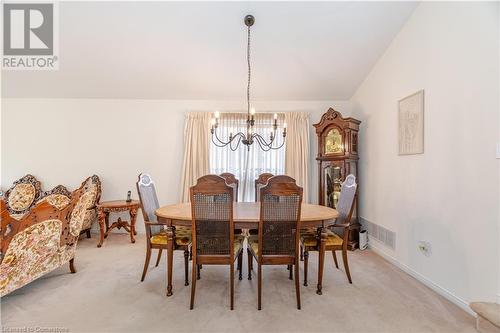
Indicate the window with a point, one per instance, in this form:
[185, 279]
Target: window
[246, 164]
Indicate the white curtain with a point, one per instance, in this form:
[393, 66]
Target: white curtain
[196, 148]
[246, 164]
[297, 149]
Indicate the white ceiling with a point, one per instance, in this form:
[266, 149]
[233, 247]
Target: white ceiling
[194, 50]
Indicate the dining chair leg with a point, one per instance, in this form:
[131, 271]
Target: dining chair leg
[191, 253]
[186, 267]
[146, 263]
[193, 284]
[321, 262]
[306, 265]
[88, 233]
[346, 265]
[301, 253]
[232, 284]
[297, 284]
[250, 259]
[170, 265]
[334, 254]
[198, 274]
[159, 257]
[259, 286]
[240, 264]
[290, 276]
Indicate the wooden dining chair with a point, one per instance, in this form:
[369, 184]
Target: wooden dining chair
[310, 240]
[238, 233]
[260, 182]
[214, 242]
[156, 235]
[232, 182]
[277, 242]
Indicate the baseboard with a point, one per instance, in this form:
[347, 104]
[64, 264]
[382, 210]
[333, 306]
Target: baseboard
[435, 287]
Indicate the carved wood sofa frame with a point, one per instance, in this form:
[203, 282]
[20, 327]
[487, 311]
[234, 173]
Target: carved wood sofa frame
[27, 191]
[43, 239]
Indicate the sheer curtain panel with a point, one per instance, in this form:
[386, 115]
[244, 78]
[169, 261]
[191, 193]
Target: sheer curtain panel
[196, 150]
[297, 149]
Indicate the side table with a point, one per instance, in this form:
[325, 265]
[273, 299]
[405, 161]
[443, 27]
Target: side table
[107, 207]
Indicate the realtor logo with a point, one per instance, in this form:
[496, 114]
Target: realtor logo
[29, 33]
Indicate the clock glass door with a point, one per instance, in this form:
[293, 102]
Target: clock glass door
[332, 185]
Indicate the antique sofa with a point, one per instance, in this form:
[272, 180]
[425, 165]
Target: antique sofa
[44, 237]
[27, 192]
[91, 183]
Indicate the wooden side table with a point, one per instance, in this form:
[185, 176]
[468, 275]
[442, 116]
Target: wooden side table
[107, 207]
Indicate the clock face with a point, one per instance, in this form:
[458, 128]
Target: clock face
[333, 142]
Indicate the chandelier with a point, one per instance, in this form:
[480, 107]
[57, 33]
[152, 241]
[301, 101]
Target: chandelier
[250, 136]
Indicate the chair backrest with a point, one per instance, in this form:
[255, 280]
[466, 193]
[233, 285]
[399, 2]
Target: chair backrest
[87, 193]
[93, 183]
[345, 205]
[260, 182]
[232, 182]
[23, 195]
[58, 197]
[149, 202]
[280, 206]
[212, 216]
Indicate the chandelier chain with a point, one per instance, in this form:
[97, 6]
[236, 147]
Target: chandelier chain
[250, 136]
[249, 72]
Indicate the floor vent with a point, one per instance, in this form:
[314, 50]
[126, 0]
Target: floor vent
[380, 233]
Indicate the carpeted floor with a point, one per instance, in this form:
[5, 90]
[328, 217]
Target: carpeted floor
[106, 295]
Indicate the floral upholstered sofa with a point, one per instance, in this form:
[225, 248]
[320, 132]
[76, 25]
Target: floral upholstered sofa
[44, 237]
[91, 184]
[23, 195]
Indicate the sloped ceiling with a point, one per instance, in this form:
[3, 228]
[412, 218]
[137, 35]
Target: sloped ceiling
[196, 50]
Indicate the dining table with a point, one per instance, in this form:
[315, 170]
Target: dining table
[246, 215]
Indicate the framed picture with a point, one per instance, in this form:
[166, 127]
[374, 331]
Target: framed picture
[411, 124]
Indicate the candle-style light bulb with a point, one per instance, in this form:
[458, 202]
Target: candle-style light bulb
[275, 116]
[217, 114]
[284, 126]
[212, 122]
[252, 111]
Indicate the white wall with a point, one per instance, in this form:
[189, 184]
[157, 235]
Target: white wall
[62, 141]
[449, 195]
[498, 158]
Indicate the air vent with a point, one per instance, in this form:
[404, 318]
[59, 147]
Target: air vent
[380, 233]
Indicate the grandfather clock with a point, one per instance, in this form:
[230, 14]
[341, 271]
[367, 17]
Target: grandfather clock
[337, 157]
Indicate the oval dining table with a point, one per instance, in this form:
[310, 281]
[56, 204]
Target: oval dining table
[245, 216]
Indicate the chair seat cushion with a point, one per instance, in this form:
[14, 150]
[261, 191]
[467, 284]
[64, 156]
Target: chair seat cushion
[253, 242]
[182, 237]
[238, 244]
[311, 239]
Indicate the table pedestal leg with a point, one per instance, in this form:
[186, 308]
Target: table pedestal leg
[321, 260]
[170, 259]
[102, 218]
[133, 216]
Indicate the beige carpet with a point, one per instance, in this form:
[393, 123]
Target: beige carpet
[106, 295]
